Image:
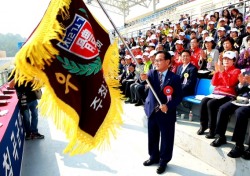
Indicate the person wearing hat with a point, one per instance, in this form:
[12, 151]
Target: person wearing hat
[170, 46]
[244, 58]
[219, 38]
[222, 23]
[209, 57]
[185, 24]
[184, 39]
[178, 49]
[244, 44]
[196, 53]
[202, 23]
[224, 81]
[241, 115]
[211, 29]
[161, 118]
[234, 34]
[204, 34]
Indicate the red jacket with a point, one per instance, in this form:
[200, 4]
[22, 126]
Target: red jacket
[226, 81]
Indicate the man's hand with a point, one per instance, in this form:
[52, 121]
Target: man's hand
[164, 108]
[143, 76]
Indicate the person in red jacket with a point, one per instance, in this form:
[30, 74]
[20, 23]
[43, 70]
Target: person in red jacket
[225, 79]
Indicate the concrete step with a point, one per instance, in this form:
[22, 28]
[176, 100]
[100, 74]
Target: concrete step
[199, 146]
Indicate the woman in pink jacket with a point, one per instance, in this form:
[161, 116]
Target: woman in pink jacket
[225, 79]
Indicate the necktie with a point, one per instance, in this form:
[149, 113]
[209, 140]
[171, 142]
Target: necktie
[160, 78]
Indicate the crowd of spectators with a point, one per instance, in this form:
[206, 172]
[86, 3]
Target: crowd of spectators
[214, 46]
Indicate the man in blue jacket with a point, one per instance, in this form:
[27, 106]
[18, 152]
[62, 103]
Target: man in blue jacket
[161, 118]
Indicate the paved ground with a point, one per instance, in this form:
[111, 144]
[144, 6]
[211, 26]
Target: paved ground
[124, 158]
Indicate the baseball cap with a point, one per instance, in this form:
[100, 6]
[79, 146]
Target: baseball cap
[234, 30]
[182, 33]
[179, 42]
[138, 56]
[204, 32]
[151, 44]
[248, 25]
[209, 39]
[222, 19]
[145, 54]
[169, 35]
[229, 54]
[127, 57]
[153, 52]
[221, 29]
[153, 37]
[210, 22]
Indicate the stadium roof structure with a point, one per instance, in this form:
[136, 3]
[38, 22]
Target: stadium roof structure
[121, 7]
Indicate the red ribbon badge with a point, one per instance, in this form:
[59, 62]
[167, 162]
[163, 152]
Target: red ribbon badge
[168, 90]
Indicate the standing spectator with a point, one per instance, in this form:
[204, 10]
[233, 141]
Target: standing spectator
[161, 119]
[225, 79]
[28, 109]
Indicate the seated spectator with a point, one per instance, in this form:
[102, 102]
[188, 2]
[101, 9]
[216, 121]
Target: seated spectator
[159, 47]
[239, 25]
[242, 115]
[138, 69]
[196, 53]
[219, 38]
[211, 29]
[122, 65]
[225, 79]
[178, 49]
[173, 67]
[169, 45]
[188, 74]
[209, 57]
[244, 44]
[228, 45]
[184, 40]
[234, 34]
[204, 34]
[244, 60]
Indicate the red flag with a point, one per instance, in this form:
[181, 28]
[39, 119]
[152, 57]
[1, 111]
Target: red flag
[70, 54]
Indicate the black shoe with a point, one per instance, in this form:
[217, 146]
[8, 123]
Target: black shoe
[161, 169]
[246, 154]
[28, 136]
[201, 130]
[219, 141]
[139, 103]
[150, 162]
[133, 101]
[210, 135]
[236, 152]
[37, 136]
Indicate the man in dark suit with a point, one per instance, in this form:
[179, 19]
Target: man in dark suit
[188, 74]
[161, 118]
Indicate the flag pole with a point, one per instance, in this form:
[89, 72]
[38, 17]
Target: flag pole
[130, 52]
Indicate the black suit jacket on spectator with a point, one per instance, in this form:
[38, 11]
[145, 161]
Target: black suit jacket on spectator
[169, 47]
[189, 87]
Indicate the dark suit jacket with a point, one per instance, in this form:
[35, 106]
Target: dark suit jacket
[169, 47]
[189, 87]
[170, 80]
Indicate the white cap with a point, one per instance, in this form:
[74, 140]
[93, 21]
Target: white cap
[248, 25]
[194, 22]
[210, 22]
[229, 54]
[169, 35]
[141, 40]
[153, 52]
[221, 29]
[137, 46]
[182, 33]
[145, 54]
[127, 57]
[171, 25]
[151, 44]
[179, 42]
[158, 31]
[185, 19]
[171, 53]
[209, 39]
[201, 19]
[153, 37]
[234, 30]
[133, 47]
[171, 30]
[138, 56]
[204, 32]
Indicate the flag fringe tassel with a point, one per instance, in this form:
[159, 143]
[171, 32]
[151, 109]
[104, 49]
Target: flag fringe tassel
[37, 52]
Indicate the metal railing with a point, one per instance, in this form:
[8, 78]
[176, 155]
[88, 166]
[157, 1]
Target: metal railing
[4, 74]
